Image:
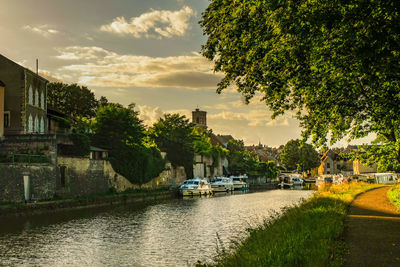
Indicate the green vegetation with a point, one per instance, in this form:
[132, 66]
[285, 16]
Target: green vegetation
[394, 195]
[299, 156]
[121, 131]
[243, 161]
[173, 134]
[306, 235]
[72, 99]
[335, 64]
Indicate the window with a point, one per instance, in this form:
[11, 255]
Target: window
[197, 120]
[41, 125]
[42, 100]
[328, 165]
[62, 175]
[7, 119]
[36, 129]
[30, 124]
[36, 98]
[30, 95]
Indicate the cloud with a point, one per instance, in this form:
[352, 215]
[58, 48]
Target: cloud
[51, 77]
[99, 67]
[241, 125]
[156, 23]
[43, 30]
[253, 117]
[150, 115]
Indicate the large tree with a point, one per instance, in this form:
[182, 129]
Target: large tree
[173, 135]
[120, 130]
[335, 63]
[72, 99]
[300, 156]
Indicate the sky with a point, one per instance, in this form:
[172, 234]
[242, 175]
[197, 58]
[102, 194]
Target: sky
[136, 51]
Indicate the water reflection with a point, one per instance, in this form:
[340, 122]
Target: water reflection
[170, 233]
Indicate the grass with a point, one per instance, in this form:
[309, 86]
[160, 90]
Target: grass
[307, 235]
[394, 195]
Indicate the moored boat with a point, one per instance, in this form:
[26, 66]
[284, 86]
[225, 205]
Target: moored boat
[222, 184]
[193, 187]
[239, 182]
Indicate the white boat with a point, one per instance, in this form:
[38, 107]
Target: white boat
[290, 181]
[239, 182]
[193, 187]
[297, 181]
[285, 182]
[222, 184]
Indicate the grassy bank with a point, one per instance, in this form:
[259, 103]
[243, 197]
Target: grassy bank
[54, 205]
[394, 195]
[307, 235]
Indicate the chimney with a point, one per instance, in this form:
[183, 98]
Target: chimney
[37, 66]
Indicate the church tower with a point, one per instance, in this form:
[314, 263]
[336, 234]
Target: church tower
[199, 118]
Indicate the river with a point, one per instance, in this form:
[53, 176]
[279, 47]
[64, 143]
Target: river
[176, 232]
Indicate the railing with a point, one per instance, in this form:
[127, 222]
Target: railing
[26, 158]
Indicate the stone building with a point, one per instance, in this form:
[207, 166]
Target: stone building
[25, 99]
[205, 166]
[199, 118]
[333, 163]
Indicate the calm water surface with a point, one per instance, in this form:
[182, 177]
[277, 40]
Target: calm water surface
[171, 233]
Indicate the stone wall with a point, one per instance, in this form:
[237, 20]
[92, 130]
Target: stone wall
[82, 176]
[170, 177]
[33, 145]
[74, 176]
[202, 168]
[42, 181]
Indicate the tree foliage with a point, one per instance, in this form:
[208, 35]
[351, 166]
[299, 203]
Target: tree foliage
[300, 156]
[173, 135]
[241, 160]
[120, 130]
[72, 99]
[335, 63]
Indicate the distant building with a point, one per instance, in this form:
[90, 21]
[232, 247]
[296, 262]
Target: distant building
[266, 153]
[25, 100]
[205, 166]
[360, 168]
[199, 118]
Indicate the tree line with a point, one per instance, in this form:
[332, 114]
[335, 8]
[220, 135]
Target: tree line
[134, 149]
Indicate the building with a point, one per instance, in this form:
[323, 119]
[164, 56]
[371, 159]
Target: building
[25, 100]
[199, 118]
[266, 153]
[360, 168]
[206, 166]
[333, 163]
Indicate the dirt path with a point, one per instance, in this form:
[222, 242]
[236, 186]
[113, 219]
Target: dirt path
[373, 230]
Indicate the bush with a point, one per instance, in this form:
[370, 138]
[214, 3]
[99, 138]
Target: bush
[394, 195]
[137, 163]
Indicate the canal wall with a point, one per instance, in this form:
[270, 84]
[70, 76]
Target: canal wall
[47, 207]
[80, 176]
[73, 177]
[41, 183]
[170, 177]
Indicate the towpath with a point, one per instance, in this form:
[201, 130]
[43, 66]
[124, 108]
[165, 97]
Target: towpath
[373, 231]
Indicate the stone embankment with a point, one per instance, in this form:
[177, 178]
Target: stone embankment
[22, 209]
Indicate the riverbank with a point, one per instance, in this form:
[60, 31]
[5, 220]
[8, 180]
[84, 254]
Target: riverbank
[27, 209]
[308, 235]
[394, 195]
